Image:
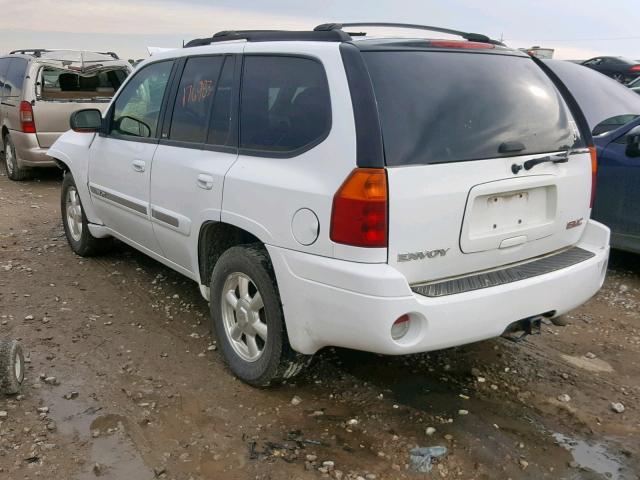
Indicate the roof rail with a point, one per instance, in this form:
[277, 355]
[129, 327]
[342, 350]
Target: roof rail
[272, 36]
[472, 37]
[37, 52]
[113, 55]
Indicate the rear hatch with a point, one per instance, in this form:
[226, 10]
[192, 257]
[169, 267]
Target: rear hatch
[456, 124]
[71, 81]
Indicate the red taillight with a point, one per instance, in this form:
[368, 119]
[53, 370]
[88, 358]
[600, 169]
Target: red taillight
[359, 215]
[594, 173]
[635, 68]
[460, 44]
[26, 118]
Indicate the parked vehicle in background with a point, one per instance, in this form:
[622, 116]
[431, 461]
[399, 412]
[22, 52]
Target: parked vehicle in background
[613, 112]
[620, 69]
[39, 89]
[635, 85]
[389, 195]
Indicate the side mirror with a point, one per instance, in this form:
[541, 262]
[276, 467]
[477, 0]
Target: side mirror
[633, 142]
[88, 120]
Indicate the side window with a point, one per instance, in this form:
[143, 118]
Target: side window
[195, 95]
[285, 104]
[15, 77]
[220, 126]
[4, 65]
[137, 108]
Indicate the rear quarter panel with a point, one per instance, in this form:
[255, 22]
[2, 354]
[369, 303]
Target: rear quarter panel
[262, 195]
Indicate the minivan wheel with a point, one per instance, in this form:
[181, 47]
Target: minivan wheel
[75, 222]
[11, 366]
[248, 320]
[14, 172]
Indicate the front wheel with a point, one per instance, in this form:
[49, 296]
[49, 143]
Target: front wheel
[76, 226]
[248, 319]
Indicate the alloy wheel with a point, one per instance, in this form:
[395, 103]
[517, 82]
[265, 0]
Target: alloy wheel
[74, 213]
[244, 316]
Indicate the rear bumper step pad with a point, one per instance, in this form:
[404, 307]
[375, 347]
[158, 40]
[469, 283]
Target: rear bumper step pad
[494, 278]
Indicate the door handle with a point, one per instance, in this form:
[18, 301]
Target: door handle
[205, 181]
[138, 165]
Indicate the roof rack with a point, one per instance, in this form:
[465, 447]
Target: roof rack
[272, 36]
[472, 37]
[37, 52]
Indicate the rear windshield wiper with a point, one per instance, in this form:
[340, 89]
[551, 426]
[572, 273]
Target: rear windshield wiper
[529, 164]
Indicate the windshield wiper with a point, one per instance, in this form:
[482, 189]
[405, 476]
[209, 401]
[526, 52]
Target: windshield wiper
[529, 164]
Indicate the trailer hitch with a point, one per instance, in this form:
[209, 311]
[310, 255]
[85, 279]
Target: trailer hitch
[521, 329]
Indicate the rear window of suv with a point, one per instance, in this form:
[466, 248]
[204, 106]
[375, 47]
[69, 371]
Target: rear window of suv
[438, 107]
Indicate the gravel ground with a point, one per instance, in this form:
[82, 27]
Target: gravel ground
[124, 381]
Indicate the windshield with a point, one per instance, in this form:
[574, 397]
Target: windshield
[438, 107]
[605, 102]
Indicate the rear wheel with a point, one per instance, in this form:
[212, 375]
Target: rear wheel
[11, 366]
[75, 222]
[14, 172]
[248, 319]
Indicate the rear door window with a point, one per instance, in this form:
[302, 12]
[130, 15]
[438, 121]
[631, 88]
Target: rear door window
[285, 106]
[223, 125]
[192, 106]
[438, 107]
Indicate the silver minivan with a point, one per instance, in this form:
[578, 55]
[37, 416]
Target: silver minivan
[39, 90]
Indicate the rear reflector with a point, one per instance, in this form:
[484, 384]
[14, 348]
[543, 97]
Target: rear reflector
[460, 44]
[594, 174]
[27, 122]
[359, 214]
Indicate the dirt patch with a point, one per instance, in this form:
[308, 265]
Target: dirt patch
[589, 364]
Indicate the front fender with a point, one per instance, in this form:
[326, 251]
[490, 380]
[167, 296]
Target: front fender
[72, 151]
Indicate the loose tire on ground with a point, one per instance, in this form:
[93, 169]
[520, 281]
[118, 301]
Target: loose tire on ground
[14, 172]
[11, 366]
[243, 276]
[75, 222]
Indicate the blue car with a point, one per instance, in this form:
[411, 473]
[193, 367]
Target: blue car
[613, 113]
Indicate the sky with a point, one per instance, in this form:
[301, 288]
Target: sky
[576, 29]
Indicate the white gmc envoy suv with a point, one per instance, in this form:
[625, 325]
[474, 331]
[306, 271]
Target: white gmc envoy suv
[332, 189]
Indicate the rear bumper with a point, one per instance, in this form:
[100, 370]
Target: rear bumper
[28, 151]
[330, 302]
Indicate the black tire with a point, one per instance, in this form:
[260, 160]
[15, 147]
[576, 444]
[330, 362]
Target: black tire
[11, 367]
[278, 361]
[85, 244]
[14, 172]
